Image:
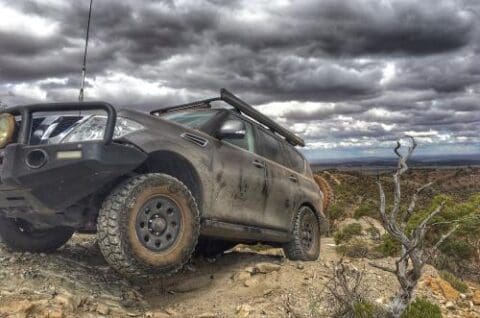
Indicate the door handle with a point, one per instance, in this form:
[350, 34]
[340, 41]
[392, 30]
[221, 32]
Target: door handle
[259, 164]
[293, 178]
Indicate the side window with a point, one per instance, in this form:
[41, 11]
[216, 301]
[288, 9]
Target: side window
[248, 142]
[297, 162]
[271, 148]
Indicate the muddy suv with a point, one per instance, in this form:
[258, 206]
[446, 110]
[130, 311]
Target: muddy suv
[156, 187]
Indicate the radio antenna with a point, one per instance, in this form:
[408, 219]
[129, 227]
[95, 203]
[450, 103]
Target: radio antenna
[84, 66]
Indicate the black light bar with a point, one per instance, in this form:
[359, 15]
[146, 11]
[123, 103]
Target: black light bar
[242, 107]
[261, 118]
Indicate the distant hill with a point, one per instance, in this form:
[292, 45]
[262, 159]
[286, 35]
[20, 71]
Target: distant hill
[381, 163]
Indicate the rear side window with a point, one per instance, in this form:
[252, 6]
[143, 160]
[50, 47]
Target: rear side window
[270, 147]
[297, 162]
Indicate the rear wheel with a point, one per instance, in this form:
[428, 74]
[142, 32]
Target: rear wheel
[149, 225]
[305, 245]
[20, 236]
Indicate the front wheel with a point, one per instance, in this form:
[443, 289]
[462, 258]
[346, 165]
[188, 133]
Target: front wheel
[149, 225]
[20, 236]
[305, 245]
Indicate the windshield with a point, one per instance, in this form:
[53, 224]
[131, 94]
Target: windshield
[192, 119]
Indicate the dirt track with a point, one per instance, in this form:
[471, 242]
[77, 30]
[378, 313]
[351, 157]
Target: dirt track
[76, 281]
[215, 287]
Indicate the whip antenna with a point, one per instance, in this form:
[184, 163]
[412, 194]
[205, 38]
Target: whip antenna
[84, 66]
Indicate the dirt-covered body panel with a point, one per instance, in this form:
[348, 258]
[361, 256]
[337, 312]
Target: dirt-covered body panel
[242, 194]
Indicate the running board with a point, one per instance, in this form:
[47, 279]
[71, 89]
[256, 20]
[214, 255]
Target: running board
[242, 232]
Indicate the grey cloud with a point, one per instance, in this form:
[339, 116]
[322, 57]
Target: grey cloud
[308, 51]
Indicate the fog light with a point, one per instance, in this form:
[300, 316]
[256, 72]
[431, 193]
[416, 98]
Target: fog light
[7, 129]
[36, 158]
[69, 154]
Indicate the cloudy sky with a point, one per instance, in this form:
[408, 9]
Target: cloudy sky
[348, 76]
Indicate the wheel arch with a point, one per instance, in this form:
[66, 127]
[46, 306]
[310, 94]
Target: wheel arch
[321, 217]
[175, 165]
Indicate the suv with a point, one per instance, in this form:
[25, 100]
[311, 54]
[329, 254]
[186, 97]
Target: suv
[157, 186]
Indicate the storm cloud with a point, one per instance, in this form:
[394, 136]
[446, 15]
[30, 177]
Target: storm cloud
[348, 76]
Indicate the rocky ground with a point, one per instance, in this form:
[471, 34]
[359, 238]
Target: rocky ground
[247, 282]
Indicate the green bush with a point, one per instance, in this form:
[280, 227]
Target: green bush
[374, 233]
[366, 209]
[456, 282]
[422, 308]
[460, 250]
[389, 247]
[356, 249]
[336, 212]
[365, 309]
[347, 233]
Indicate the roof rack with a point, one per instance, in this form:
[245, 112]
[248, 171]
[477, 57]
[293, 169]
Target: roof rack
[244, 108]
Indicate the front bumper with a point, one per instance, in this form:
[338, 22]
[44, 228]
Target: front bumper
[70, 173]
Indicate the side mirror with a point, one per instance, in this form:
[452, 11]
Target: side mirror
[232, 129]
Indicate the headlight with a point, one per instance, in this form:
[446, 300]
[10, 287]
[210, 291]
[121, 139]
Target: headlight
[7, 129]
[93, 128]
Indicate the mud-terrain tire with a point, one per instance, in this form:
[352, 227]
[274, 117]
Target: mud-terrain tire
[328, 194]
[305, 245]
[19, 236]
[148, 226]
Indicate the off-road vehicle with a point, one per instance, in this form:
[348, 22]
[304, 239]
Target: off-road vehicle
[156, 186]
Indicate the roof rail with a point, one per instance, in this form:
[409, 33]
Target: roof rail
[198, 104]
[244, 108]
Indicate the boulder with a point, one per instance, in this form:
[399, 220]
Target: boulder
[265, 268]
[442, 287]
[476, 298]
[244, 310]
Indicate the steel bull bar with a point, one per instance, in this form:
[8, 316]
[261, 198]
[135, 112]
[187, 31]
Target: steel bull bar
[41, 177]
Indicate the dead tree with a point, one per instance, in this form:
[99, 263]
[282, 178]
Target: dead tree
[408, 268]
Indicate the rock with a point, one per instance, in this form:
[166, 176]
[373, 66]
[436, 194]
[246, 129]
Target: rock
[171, 312]
[252, 282]
[241, 276]
[207, 315]
[267, 268]
[67, 301]
[476, 298]
[442, 287]
[157, 315]
[450, 305]
[103, 309]
[250, 269]
[17, 307]
[300, 266]
[244, 310]
[55, 313]
[380, 300]
[191, 284]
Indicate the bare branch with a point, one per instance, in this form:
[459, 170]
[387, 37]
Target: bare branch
[419, 232]
[413, 202]
[383, 268]
[445, 236]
